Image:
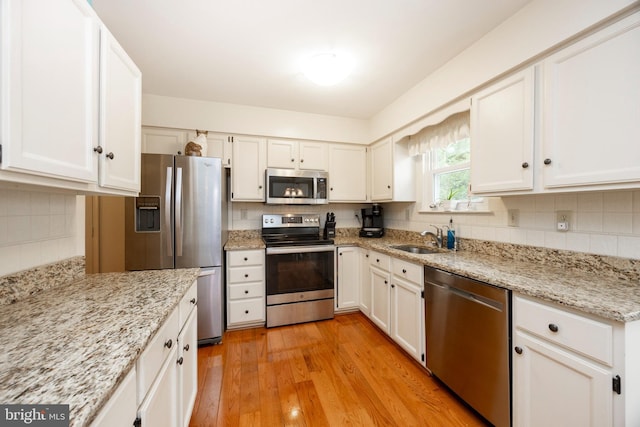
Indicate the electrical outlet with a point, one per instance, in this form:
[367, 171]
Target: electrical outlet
[513, 217]
[563, 220]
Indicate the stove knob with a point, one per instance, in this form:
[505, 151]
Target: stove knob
[271, 220]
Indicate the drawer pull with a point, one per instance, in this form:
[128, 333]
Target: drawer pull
[168, 344]
[246, 292]
[186, 347]
[246, 259]
[518, 350]
[553, 327]
[246, 275]
[192, 300]
[180, 361]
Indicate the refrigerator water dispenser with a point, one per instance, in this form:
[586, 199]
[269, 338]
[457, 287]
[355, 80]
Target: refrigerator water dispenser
[147, 214]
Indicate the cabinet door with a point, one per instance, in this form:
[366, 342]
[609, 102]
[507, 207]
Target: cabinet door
[348, 277]
[160, 406]
[590, 109]
[365, 283]
[502, 135]
[347, 173]
[382, 170]
[50, 88]
[553, 387]
[163, 141]
[407, 319]
[215, 145]
[120, 116]
[187, 368]
[380, 298]
[121, 408]
[282, 154]
[313, 155]
[247, 173]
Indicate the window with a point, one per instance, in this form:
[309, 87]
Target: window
[444, 151]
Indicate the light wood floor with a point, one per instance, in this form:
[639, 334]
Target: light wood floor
[340, 372]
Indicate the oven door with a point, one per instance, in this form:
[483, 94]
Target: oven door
[300, 269]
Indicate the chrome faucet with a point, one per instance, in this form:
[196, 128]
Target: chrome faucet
[437, 238]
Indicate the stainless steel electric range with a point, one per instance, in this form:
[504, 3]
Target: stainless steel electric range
[300, 269]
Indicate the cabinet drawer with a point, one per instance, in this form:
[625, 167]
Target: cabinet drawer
[408, 271]
[243, 311]
[239, 258]
[586, 336]
[246, 274]
[187, 303]
[248, 290]
[380, 260]
[154, 355]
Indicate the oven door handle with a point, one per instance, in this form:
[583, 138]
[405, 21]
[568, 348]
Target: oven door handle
[300, 249]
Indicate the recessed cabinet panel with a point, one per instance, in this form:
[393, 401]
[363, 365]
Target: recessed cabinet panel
[347, 173]
[590, 109]
[502, 136]
[50, 57]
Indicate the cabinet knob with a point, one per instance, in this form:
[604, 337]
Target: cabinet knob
[518, 350]
[246, 259]
[377, 260]
[525, 165]
[292, 160]
[192, 300]
[259, 187]
[547, 161]
[340, 254]
[301, 160]
[98, 149]
[367, 255]
[388, 186]
[246, 275]
[246, 291]
[180, 361]
[393, 286]
[110, 156]
[385, 282]
[168, 344]
[404, 270]
[331, 188]
[553, 327]
[186, 347]
[179, 153]
[246, 312]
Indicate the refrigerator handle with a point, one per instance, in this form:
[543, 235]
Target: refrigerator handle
[167, 209]
[178, 211]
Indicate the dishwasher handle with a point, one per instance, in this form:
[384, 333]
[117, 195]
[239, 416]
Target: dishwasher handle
[478, 299]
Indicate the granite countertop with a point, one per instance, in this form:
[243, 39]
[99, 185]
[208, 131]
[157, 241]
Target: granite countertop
[73, 344]
[577, 282]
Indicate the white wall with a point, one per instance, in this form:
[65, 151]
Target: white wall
[39, 228]
[537, 27]
[180, 113]
[603, 223]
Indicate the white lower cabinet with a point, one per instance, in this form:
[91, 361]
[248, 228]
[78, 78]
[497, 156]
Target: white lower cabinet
[365, 283]
[167, 369]
[121, 408]
[392, 297]
[246, 303]
[348, 284]
[571, 368]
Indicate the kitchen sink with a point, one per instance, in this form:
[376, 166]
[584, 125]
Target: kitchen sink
[415, 249]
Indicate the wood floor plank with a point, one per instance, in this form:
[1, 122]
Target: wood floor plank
[338, 372]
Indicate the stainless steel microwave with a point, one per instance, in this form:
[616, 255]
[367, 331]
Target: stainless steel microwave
[296, 187]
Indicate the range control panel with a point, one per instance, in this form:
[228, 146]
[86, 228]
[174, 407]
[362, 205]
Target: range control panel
[290, 220]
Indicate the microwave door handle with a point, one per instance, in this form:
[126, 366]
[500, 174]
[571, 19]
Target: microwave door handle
[167, 210]
[178, 211]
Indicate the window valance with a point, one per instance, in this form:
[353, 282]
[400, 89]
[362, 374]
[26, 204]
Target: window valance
[451, 129]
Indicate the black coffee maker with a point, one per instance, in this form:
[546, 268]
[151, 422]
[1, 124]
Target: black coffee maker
[372, 222]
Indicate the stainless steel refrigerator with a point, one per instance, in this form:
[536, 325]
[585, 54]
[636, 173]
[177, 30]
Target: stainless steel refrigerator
[179, 221]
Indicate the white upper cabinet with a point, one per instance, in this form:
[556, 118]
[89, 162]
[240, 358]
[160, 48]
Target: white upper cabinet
[71, 100]
[248, 170]
[392, 172]
[303, 155]
[591, 110]
[164, 141]
[347, 173]
[502, 135]
[50, 89]
[120, 116]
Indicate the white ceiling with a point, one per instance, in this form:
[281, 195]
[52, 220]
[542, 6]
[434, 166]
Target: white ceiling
[248, 51]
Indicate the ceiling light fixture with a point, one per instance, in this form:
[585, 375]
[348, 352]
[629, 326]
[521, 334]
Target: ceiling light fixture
[326, 69]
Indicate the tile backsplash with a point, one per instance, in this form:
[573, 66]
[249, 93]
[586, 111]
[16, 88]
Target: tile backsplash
[38, 228]
[601, 223]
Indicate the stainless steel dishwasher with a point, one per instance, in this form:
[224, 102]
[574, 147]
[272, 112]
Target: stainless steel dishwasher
[468, 340]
